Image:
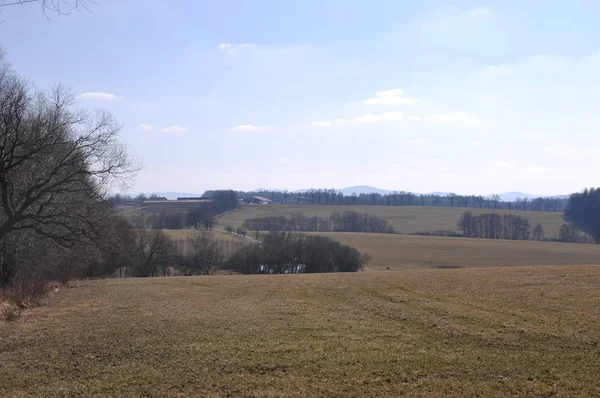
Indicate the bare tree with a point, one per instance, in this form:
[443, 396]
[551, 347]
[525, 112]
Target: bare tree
[286, 195]
[56, 164]
[154, 249]
[50, 8]
[495, 200]
[209, 223]
[452, 197]
[538, 232]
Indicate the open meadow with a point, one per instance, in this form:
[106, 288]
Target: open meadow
[395, 251]
[409, 251]
[404, 219]
[494, 332]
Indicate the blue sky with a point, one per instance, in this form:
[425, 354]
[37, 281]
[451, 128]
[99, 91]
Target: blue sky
[468, 97]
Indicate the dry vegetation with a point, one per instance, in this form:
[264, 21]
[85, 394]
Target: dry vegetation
[407, 251]
[404, 219]
[464, 332]
[188, 233]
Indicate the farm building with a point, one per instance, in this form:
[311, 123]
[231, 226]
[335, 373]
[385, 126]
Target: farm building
[259, 200]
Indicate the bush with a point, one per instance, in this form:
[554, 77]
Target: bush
[9, 312]
[288, 253]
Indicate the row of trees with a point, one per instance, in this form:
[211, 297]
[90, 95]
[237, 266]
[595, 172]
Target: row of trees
[583, 211]
[496, 226]
[148, 253]
[289, 253]
[511, 227]
[402, 198]
[347, 221]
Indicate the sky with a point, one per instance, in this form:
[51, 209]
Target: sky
[463, 96]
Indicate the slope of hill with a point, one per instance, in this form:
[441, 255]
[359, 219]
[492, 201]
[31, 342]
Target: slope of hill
[404, 219]
[492, 332]
[407, 251]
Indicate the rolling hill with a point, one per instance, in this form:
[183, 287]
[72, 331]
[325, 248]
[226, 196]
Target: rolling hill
[404, 219]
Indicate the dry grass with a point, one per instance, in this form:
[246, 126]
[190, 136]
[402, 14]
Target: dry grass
[407, 251]
[405, 219]
[188, 233]
[491, 332]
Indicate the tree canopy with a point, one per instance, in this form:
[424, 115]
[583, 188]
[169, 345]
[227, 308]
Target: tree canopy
[583, 211]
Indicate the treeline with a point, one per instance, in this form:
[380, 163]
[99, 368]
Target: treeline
[223, 200]
[148, 253]
[347, 221]
[196, 218]
[403, 198]
[511, 227]
[497, 226]
[583, 212]
[289, 253]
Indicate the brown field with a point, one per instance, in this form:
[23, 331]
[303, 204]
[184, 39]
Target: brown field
[404, 219]
[408, 251]
[493, 332]
[185, 233]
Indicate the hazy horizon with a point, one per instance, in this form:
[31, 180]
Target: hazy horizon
[460, 96]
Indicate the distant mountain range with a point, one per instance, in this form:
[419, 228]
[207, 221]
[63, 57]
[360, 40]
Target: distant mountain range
[366, 189]
[505, 197]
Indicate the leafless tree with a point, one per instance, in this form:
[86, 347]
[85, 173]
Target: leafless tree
[154, 252]
[50, 8]
[209, 222]
[452, 197]
[56, 164]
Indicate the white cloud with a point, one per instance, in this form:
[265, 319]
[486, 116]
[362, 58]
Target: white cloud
[505, 165]
[418, 141]
[283, 159]
[388, 116]
[477, 143]
[531, 136]
[175, 129]
[326, 123]
[564, 152]
[343, 163]
[232, 48]
[453, 117]
[97, 96]
[144, 127]
[390, 97]
[320, 124]
[248, 128]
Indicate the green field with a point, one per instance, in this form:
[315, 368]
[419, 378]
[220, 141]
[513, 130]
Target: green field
[404, 219]
[490, 332]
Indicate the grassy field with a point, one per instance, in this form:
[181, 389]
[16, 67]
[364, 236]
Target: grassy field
[405, 219]
[186, 233]
[407, 251]
[493, 332]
